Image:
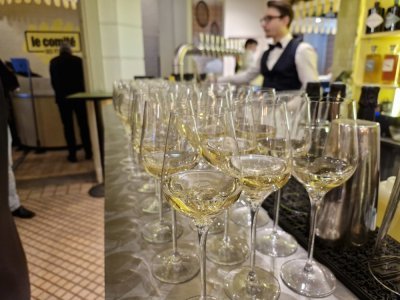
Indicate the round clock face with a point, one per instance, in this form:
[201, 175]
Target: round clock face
[202, 14]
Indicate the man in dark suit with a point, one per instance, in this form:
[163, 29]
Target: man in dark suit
[66, 71]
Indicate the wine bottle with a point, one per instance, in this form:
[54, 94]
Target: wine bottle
[315, 9]
[322, 15]
[331, 13]
[389, 66]
[337, 93]
[373, 67]
[368, 103]
[337, 90]
[313, 90]
[375, 19]
[392, 19]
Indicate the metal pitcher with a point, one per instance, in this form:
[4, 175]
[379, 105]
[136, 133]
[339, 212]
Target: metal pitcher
[348, 213]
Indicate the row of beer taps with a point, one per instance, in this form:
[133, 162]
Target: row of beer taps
[208, 45]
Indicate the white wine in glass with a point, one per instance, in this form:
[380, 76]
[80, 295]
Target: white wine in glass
[324, 157]
[200, 194]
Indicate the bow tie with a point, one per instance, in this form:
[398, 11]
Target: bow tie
[272, 46]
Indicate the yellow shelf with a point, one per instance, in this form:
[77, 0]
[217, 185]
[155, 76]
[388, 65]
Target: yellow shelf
[381, 35]
[384, 86]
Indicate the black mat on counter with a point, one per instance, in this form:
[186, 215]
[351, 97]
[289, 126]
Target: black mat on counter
[350, 265]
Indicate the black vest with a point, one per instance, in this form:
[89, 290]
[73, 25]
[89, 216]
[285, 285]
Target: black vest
[283, 75]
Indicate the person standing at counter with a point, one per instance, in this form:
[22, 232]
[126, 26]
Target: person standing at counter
[10, 83]
[66, 72]
[248, 57]
[288, 63]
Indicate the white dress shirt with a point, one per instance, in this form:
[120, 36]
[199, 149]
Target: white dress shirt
[305, 60]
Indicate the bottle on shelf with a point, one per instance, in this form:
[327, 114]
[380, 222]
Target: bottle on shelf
[392, 18]
[373, 67]
[390, 66]
[331, 13]
[315, 9]
[337, 90]
[375, 19]
[322, 15]
[368, 103]
[314, 90]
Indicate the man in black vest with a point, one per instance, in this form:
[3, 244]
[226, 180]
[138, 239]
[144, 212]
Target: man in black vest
[66, 71]
[288, 63]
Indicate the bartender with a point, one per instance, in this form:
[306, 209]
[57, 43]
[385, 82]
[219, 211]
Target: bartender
[288, 63]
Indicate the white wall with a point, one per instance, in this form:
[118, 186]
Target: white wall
[151, 36]
[242, 20]
[175, 29]
[113, 41]
[16, 19]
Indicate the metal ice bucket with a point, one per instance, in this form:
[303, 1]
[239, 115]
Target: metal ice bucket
[348, 213]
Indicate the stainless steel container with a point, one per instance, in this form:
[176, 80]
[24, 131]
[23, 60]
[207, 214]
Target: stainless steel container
[348, 213]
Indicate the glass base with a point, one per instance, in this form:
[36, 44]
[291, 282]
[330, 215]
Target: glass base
[202, 298]
[158, 232]
[170, 268]
[237, 285]
[151, 205]
[232, 252]
[278, 244]
[134, 172]
[316, 282]
[241, 216]
[386, 270]
[147, 187]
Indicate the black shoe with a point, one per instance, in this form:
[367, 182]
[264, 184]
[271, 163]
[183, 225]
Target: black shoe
[22, 212]
[72, 158]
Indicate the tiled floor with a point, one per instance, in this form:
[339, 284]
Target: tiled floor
[64, 242]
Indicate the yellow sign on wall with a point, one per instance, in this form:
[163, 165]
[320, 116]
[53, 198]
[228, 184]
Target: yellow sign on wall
[49, 41]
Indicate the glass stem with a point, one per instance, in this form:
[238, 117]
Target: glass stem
[202, 233]
[173, 229]
[277, 203]
[253, 226]
[160, 199]
[315, 206]
[130, 151]
[226, 226]
[252, 284]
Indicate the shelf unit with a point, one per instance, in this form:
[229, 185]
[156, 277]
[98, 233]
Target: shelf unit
[382, 86]
[381, 35]
[364, 42]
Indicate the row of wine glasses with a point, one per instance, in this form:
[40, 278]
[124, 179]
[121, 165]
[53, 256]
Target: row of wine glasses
[209, 148]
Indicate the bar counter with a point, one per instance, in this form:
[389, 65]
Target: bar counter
[128, 256]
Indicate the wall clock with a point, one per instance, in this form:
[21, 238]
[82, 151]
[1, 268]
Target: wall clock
[202, 13]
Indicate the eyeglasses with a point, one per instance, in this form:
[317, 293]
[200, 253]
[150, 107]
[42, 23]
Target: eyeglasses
[268, 19]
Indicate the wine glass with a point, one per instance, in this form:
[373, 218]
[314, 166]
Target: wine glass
[325, 155]
[212, 98]
[384, 263]
[138, 91]
[152, 147]
[122, 101]
[240, 214]
[201, 194]
[266, 167]
[273, 241]
[231, 248]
